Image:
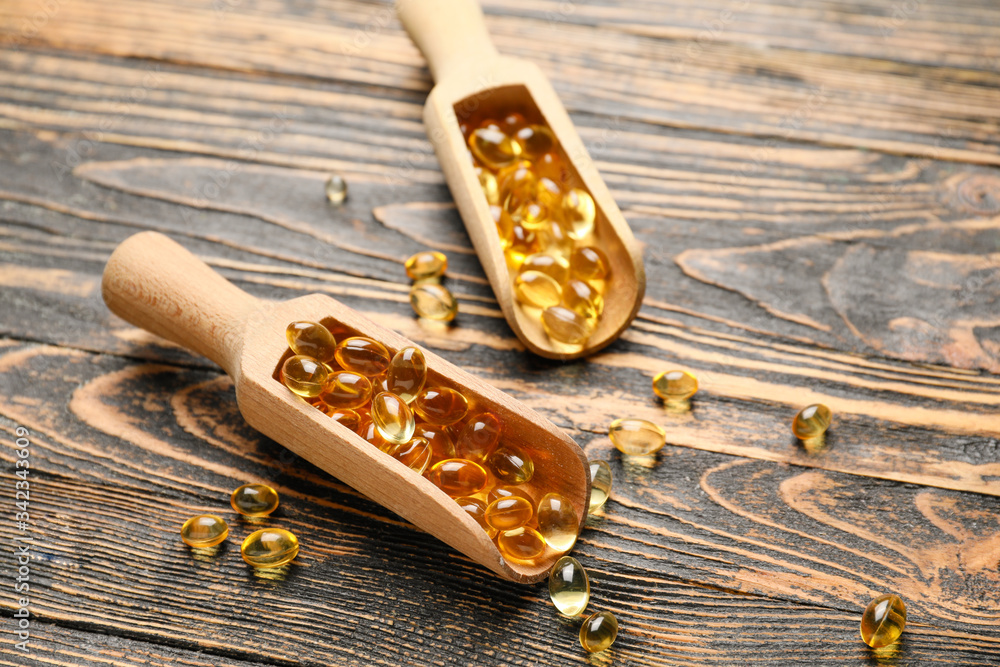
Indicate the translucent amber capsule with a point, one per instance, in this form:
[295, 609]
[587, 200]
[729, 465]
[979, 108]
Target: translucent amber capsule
[517, 184]
[598, 632]
[270, 547]
[478, 437]
[254, 500]
[512, 122]
[600, 484]
[440, 405]
[553, 239]
[311, 339]
[521, 242]
[346, 389]
[811, 422]
[406, 374]
[490, 124]
[578, 213]
[588, 263]
[553, 266]
[557, 521]
[369, 432]
[506, 491]
[347, 418]
[532, 216]
[510, 465]
[477, 510]
[637, 437]
[521, 545]
[304, 375]
[415, 455]
[675, 387]
[582, 299]
[426, 265]
[458, 477]
[336, 189]
[537, 289]
[551, 166]
[569, 586]
[392, 418]
[566, 326]
[488, 182]
[204, 530]
[883, 621]
[535, 141]
[549, 193]
[493, 148]
[363, 355]
[440, 441]
[509, 513]
[433, 302]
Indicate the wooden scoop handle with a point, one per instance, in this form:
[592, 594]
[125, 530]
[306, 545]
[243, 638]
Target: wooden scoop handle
[450, 33]
[157, 285]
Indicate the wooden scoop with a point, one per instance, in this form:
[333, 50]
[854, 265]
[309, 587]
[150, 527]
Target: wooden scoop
[473, 83]
[156, 284]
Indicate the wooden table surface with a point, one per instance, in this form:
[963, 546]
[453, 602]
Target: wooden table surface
[816, 187]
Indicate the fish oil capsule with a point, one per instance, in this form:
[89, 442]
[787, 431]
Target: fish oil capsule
[270, 547]
[582, 298]
[458, 477]
[600, 485]
[534, 288]
[521, 545]
[427, 265]
[254, 500]
[204, 530]
[336, 189]
[579, 213]
[551, 265]
[535, 141]
[811, 422]
[508, 513]
[433, 302]
[521, 242]
[347, 418]
[346, 389]
[476, 508]
[415, 455]
[506, 491]
[551, 166]
[549, 193]
[517, 185]
[362, 355]
[478, 437]
[406, 374]
[494, 149]
[488, 182]
[510, 465]
[569, 586]
[675, 387]
[589, 264]
[311, 339]
[442, 446]
[883, 621]
[637, 437]
[304, 375]
[392, 418]
[512, 122]
[531, 215]
[553, 238]
[369, 432]
[440, 405]
[557, 522]
[566, 326]
[598, 632]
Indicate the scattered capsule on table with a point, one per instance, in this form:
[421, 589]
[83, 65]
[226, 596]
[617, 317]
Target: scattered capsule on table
[415, 455]
[567, 326]
[537, 289]
[254, 500]
[458, 477]
[204, 530]
[509, 513]
[433, 302]
[440, 405]
[479, 437]
[569, 586]
[362, 355]
[346, 389]
[336, 189]
[442, 445]
[407, 373]
[557, 522]
[675, 387]
[511, 465]
[600, 484]
[493, 148]
[588, 263]
[811, 422]
[598, 632]
[304, 375]
[270, 547]
[311, 339]
[392, 418]
[637, 437]
[883, 621]
[427, 265]
[476, 508]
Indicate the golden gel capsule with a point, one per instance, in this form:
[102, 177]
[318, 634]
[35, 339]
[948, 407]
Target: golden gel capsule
[270, 547]
[442, 446]
[478, 437]
[433, 302]
[458, 477]
[392, 418]
[517, 184]
[510, 465]
[569, 586]
[506, 491]
[415, 455]
[551, 166]
[346, 389]
[440, 405]
[204, 530]
[553, 266]
[531, 215]
[637, 437]
[304, 375]
[512, 122]
[578, 214]
[557, 522]
[600, 484]
[811, 422]
[426, 265]
[883, 621]
[488, 182]
[535, 141]
[476, 508]
[522, 545]
[675, 387]
[582, 298]
[407, 373]
[493, 148]
[537, 289]
[521, 242]
[254, 500]
[336, 189]
[508, 513]
[554, 239]
[311, 339]
[549, 193]
[349, 419]
[363, 356]
[566, 326]
[369, 432]
[589, 263]
[598, 632]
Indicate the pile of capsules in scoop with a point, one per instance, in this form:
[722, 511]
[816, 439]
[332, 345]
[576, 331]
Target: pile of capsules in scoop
[388, 400]
[546, 225]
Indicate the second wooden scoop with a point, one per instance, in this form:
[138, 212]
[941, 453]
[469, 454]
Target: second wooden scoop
[475, 83]
[156, 284]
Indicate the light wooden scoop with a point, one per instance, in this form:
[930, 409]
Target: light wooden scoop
[473, 83]
[156, 284]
